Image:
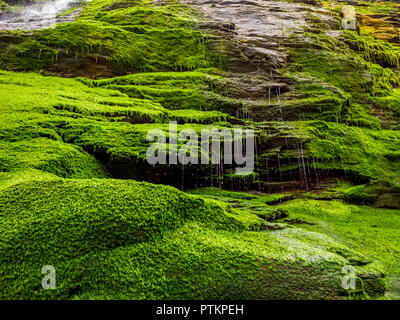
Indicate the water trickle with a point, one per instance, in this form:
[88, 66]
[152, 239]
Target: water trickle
[278, 97]
[269, 95]
[220, 174]
[183, 178]
[303, 165]
[316, 171]
[279, 168]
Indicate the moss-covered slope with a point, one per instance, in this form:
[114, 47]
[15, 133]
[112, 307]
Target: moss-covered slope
[324, 104]
[108, 38]
[124, 239]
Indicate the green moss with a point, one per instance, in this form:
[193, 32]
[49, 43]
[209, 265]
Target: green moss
[4, 7]
[139, 36]
[344, 71]
[350, 82]
[254, 203]
[154, 242]
[50, 156]
[176, 90]
[373, 50]
[381, 7]
[60, 114]
[389, 103]
[7, 7]
[360, 194]
[356, 149]
[30, 54]
[367, 230]
[352, 69]
[328, 149]
[188, 115]
[50, 95]
[123, 239]
[73, 7]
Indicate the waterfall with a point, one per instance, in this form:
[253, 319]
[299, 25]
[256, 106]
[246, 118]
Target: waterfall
[38, 16]
[48, 10]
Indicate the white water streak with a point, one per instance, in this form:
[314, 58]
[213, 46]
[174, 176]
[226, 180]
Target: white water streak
[37, 16]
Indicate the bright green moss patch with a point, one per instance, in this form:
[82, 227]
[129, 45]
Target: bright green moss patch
[176, 90]
[10, 6]
[119, 141]
[371, 231]
[74, 202]
[365, 151]
[8, 179]
[155, 17]
[50, 156]
[51, 95]
[254, 203]
[4, 7]
[234, 196]
[390, 104]
[39, 114]
[50, 112]
[137, 240]
[30, 54]
[176, 98]
[373, 50]
[354, 70]
[187, 115]
[348, 73]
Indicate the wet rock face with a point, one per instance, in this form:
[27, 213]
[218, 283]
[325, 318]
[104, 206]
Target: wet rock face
[389, 200]
[254, 39]
[256, 33]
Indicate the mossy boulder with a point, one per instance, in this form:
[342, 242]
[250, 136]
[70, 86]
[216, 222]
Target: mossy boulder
[124, 239]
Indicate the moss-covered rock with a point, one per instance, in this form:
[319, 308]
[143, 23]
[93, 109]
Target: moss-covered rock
[324, 104]
[119, 39]
[124, 239]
